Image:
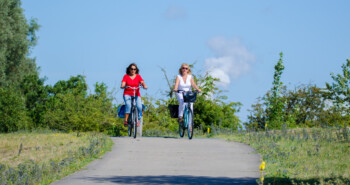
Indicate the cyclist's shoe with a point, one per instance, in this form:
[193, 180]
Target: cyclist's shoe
[180, 120]
[125, 123]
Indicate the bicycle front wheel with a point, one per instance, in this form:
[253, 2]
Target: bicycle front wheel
[134, 122]
[181, 129]
[129, 126]
[190, 125]
[129, 130]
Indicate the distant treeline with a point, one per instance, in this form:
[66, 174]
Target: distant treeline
[305, 105]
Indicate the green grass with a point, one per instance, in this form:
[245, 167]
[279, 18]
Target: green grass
[301, 156]
[47, 156]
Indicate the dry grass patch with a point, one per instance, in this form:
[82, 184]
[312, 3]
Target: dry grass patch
[38, 147]
[43, 157]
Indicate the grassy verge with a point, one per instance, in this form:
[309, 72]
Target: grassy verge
[302, 156]
[43, 157]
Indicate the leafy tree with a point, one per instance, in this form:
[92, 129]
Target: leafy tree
[12, 111]
[35, 94]
[102, 101]
[17, 37]
[75, 85]
[70, 108]
[305, 105]
[257, 117]
[274, 102]
[339, 92]
[212, 107]
[270, 111]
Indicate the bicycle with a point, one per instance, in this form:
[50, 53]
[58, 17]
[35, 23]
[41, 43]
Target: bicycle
[133, 117]
[188, 123]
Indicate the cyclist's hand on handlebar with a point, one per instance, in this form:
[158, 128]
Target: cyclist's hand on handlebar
[145, 87]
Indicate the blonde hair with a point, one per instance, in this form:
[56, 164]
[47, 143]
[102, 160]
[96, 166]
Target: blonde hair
[182, 65]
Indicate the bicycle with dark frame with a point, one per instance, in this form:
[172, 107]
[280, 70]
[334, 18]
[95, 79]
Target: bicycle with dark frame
[134, 116]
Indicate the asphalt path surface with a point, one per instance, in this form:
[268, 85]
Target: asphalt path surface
[156, 160]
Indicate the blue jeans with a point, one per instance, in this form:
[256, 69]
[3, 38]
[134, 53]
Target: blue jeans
[127, 101]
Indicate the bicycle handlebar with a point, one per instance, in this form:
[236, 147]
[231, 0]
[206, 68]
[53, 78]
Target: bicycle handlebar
[178, 91]
[134, 88]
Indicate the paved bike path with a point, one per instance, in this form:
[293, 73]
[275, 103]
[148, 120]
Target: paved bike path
[150, 160]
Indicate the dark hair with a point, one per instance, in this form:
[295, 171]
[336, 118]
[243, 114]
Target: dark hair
[128, 68]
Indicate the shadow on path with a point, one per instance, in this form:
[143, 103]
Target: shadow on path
[173, 180]
[138, 137]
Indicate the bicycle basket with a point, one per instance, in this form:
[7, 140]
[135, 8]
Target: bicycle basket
[190, 96]
[121, 111]
[174, 111]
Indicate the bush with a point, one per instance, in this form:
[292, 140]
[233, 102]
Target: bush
[13, 113]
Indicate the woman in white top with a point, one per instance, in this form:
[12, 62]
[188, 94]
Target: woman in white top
[184, 82]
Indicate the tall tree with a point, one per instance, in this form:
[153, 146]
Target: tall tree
[274, 102]
[17, 37]
[339, 92]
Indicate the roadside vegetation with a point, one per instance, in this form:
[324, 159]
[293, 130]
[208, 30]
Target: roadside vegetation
[302, 135]
[301, 156]
[42, 157]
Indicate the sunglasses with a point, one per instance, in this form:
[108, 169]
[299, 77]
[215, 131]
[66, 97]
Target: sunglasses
[133, 69]
[185, 68]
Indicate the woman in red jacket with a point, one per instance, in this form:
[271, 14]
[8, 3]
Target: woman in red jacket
[132, 79]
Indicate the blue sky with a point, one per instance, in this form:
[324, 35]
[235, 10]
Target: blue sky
[238, 41]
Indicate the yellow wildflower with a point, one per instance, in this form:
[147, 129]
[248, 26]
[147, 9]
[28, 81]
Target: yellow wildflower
[262, 165]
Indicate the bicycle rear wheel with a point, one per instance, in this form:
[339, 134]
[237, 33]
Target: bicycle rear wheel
[190, 125]
[134, 122]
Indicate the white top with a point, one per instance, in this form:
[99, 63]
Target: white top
[184, 85]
